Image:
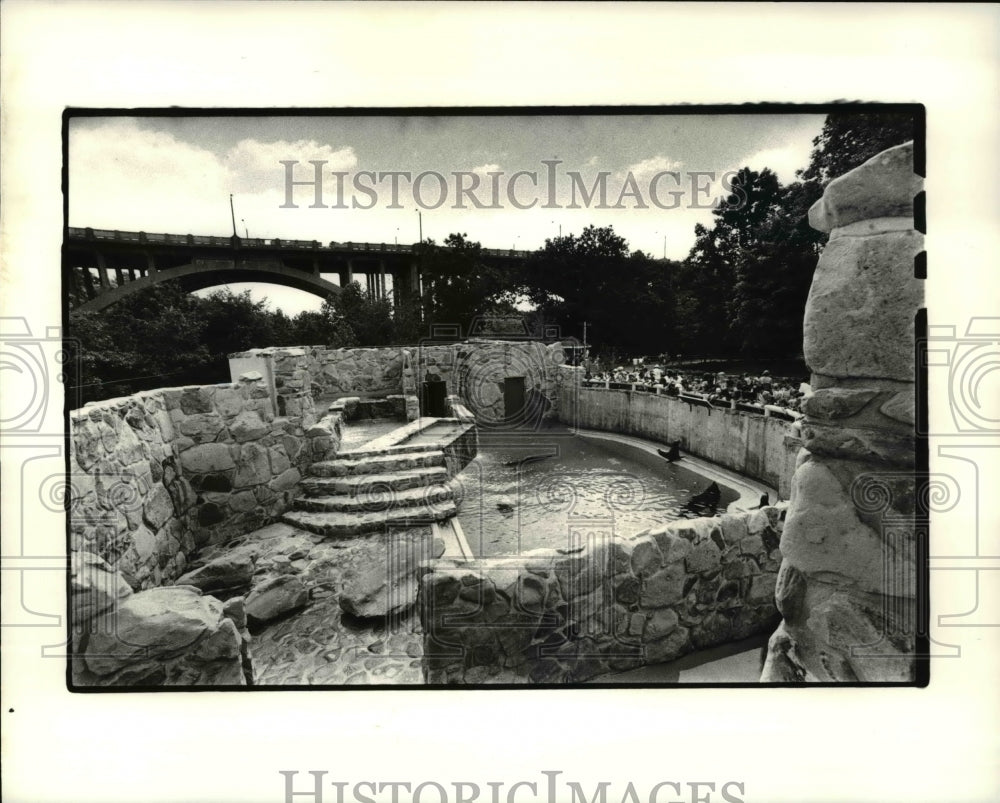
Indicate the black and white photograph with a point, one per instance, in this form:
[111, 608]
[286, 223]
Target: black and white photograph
[498, 403]
[564, 397]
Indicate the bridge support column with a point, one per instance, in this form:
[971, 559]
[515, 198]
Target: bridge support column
[381, 279]
[88, 282]
[102, 271]
[414, 279]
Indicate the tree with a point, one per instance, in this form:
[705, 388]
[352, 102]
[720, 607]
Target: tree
[743, 287]
[850, 138]
[235, 322]
[369, 320]
[593, 277]
[153, 338]
[722, 274]
[773, 279]
[459, 284]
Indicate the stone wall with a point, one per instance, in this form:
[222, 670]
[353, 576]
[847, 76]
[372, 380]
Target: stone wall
[848, 582]
[156, 476]
[476, 369]
[556, 616]
[760, 447]
[364, 372]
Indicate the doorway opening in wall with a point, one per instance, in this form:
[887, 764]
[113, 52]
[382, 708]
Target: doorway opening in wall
[514, 399]
[432, 399]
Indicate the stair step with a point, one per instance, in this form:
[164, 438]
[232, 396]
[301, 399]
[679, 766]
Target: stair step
[373, 484]
[367, 450]
[380, 500]
[376, 464]
[341, 525]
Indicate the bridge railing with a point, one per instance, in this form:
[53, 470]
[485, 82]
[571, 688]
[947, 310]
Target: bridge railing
[259, 242]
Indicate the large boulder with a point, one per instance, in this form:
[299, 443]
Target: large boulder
[229, 571]
[94, 587]
[882, 187]
[389, 589]
[276, 596]
[160, 625]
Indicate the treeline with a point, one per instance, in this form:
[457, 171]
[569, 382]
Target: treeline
[741, 290]
[162, 336]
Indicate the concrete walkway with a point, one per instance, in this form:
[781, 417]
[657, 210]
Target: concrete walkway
[738, 662]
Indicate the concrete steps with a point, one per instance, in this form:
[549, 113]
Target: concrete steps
[376, 502]
[368, 491]
[375, 484]
[377, 464]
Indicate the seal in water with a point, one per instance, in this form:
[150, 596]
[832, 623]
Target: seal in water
[706, 501]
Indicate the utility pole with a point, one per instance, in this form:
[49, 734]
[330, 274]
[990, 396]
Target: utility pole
[664, 246]
[420, 218]
[231, 212]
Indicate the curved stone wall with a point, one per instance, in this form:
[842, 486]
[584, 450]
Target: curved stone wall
[848, 583]
[763, 448]
[562, 616]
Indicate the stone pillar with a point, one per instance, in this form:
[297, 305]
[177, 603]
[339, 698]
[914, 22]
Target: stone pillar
[847, 585]
[102, 271]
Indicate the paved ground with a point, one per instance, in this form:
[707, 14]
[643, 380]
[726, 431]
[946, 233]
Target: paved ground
[320, 645]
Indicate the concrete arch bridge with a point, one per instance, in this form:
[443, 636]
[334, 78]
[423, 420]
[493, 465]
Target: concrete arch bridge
[102, 266]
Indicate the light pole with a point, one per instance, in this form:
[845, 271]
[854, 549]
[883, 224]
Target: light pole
[420, 220]
[233, 214]
[246, 231]
[664, 246]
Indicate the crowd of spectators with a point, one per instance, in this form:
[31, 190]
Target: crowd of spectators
[719, 389]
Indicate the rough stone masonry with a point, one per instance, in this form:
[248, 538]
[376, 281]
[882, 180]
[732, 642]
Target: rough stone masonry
[847, 585]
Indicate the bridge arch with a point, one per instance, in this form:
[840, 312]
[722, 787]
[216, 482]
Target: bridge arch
[197, 277]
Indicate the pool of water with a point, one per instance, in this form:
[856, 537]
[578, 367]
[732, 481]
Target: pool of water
[527, 490]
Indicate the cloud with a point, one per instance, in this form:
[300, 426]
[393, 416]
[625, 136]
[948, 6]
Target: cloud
[484, 170]
[134, 179]
[648, 168]
[782, 161]
[124, 177]
[255, 165]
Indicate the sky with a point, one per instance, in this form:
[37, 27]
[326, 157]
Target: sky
[661, 175]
